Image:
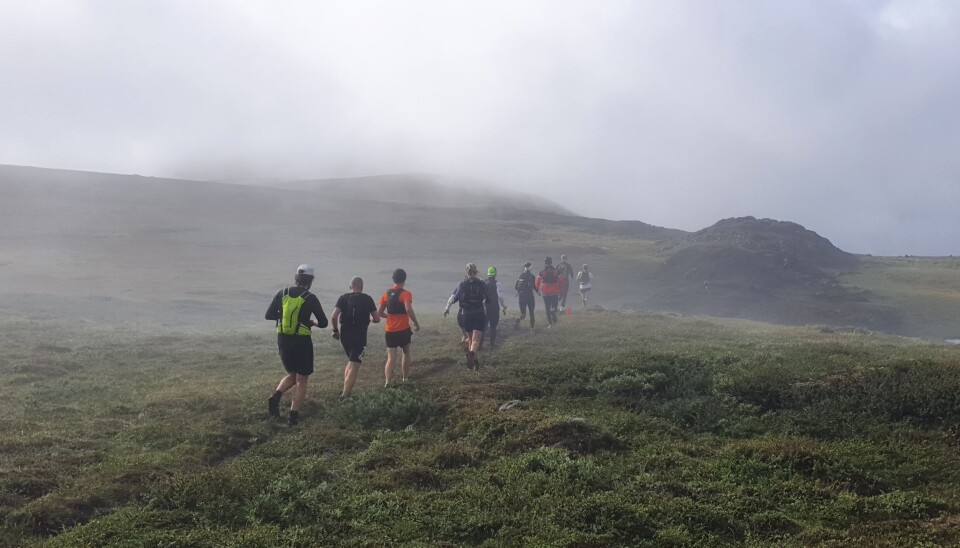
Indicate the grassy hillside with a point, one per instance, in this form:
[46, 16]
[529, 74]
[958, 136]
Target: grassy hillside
[628, 430]
[925, 289]
[139, 251]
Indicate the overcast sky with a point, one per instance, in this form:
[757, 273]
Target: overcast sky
[841, 115]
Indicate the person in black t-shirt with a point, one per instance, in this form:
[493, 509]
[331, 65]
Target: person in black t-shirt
[355, 310]
[292, 309]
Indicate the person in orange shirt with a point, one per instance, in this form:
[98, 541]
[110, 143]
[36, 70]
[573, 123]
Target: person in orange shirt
[396, 305]
[548, 282]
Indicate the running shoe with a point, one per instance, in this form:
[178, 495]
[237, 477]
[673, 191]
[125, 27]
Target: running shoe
[273, 406]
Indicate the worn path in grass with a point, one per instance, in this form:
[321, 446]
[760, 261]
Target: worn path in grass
[630, 430]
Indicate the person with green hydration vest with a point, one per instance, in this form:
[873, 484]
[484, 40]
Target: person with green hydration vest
[292, 309]
[494, 303]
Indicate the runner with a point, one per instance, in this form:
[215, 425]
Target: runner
[548, 282]
[291, 308]
[472, 294]
[396, 305]
[565, 270]
[355, 310]
[494, 303]
[526, 286]
[584, 277]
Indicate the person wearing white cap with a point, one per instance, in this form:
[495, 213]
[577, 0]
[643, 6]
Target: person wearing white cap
[292, 309]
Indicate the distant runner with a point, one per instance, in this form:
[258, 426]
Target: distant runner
[565, 270]
[526, 286]
[291, 308]
[584, 278]
[548, 282]
[355, 310]
[396, 305]
[494, 303]
[472, 294]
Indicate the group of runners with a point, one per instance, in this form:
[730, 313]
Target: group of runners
[296, 310]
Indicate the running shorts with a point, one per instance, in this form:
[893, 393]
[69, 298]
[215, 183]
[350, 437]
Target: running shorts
[354, 342]
[296, 354]
[398, 339]
[474, 320]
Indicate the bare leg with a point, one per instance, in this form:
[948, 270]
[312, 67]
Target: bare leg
[475, 339]
[349, 378]
[388, 367]
[300, 393]
[287, 382]
[405, 363]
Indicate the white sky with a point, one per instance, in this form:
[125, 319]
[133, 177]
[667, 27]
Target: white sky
[841, 115]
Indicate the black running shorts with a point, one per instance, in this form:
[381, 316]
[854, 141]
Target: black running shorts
[296, 354]
[397, 339]
[354, 342]
[474, 320]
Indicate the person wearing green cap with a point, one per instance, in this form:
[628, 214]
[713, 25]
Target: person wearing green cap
[494, 303]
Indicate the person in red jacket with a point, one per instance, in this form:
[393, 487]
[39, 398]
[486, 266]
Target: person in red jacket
[548, 282]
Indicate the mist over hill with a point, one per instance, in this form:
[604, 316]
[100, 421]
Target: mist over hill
[117, 249]
[426, 190]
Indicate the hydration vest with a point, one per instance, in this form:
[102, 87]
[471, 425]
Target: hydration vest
[350, 316]
[549, 275]
[524, 283]
[394, 305]
[472, 293]
[289, 323]
[493, 297]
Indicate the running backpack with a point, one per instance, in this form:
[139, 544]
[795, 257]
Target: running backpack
[394, 305]
[549, 275]
[472, 293]
[524, 284]
[493, 296]
[290, 314]
[350, 316]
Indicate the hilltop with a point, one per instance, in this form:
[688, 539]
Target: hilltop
[771, 270]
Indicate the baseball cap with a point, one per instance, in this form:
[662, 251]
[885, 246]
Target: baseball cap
[305, 269]
[492, 271]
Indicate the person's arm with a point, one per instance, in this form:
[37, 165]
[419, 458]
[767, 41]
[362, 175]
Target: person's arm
[275, 310]
[333, 321]
[374, 316]
[413, 317]
[503, 303]
[454, 297]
